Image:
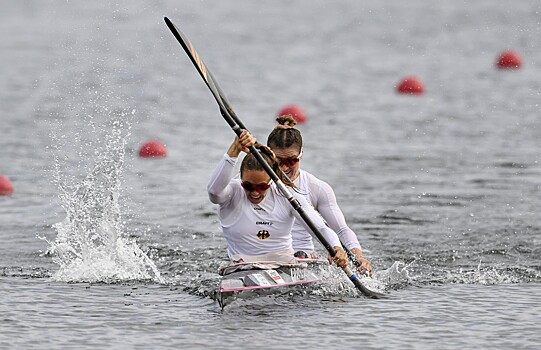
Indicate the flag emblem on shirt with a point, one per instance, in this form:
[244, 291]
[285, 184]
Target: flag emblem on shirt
[262, 234]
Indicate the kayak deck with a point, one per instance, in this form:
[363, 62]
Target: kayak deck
[240, 279]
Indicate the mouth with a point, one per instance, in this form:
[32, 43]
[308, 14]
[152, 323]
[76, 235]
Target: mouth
[288, 171]
[255, 197]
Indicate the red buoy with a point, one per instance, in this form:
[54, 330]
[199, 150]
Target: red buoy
[410, 85]
[6, 187]
[152, 148]
[509, 60]
[296, 111]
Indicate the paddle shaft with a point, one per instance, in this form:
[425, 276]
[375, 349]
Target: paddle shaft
[237, 126]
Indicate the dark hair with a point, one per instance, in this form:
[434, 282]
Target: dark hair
[251, 163]
[284, 135]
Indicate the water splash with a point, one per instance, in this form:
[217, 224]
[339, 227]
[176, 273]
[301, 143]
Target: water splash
[336, 282]
[395, 277]
[91, 243]
[488, 275]
[498, 268]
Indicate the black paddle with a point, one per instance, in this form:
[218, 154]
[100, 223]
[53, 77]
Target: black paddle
[237, 126]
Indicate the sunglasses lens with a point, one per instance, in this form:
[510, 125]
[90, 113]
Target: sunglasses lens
[257, 187]
[260, 188]
[289, 161]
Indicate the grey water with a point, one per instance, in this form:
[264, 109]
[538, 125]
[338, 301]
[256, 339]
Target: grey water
[103, 249]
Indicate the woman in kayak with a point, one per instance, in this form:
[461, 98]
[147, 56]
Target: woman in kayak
[256, 218]
[286, 143]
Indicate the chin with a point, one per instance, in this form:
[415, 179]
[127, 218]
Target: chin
[291, 174]
[254, 200]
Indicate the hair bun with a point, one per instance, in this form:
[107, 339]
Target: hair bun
[286, 122]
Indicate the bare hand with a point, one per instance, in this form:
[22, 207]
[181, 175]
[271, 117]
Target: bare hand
[246, 140]
[241, 143]
[366, 266]
[341, 258]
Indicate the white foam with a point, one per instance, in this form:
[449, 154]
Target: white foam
[92, 244]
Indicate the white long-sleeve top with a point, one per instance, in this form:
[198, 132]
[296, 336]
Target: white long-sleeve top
[321, 196]
[258, 229]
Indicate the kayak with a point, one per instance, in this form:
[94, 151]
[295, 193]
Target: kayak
[245, 279]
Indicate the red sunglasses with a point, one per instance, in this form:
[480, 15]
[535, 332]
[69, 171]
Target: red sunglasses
[289, 162]
[248, 186]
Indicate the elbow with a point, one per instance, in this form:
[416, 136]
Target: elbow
[213, 196]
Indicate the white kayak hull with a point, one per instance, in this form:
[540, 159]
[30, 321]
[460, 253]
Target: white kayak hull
[243, 280]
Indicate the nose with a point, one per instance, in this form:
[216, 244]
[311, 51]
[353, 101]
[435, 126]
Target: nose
[284, 167]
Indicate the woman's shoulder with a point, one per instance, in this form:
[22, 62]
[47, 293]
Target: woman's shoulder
[318, 189]
[312, 180]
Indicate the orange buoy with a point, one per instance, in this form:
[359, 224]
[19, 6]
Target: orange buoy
[410, 85]
[509, 59]
[296, 111]
[152, 148]
[6, 187]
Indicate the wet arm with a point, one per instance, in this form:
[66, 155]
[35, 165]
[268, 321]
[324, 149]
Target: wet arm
[329, 209]
[328, 233]
[219, 189]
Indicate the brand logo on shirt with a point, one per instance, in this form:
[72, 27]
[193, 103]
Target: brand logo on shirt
[258, 208]
[268, 223]
[263, 234]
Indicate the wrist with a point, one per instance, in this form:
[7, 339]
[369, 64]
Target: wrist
[357, 252]
[233, 151]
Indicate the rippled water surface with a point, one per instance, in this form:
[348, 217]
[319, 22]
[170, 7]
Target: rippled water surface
[103, 249]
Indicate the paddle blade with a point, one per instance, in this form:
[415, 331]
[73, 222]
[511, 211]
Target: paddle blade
[203, 71]
[188, 47]
[197, 62]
